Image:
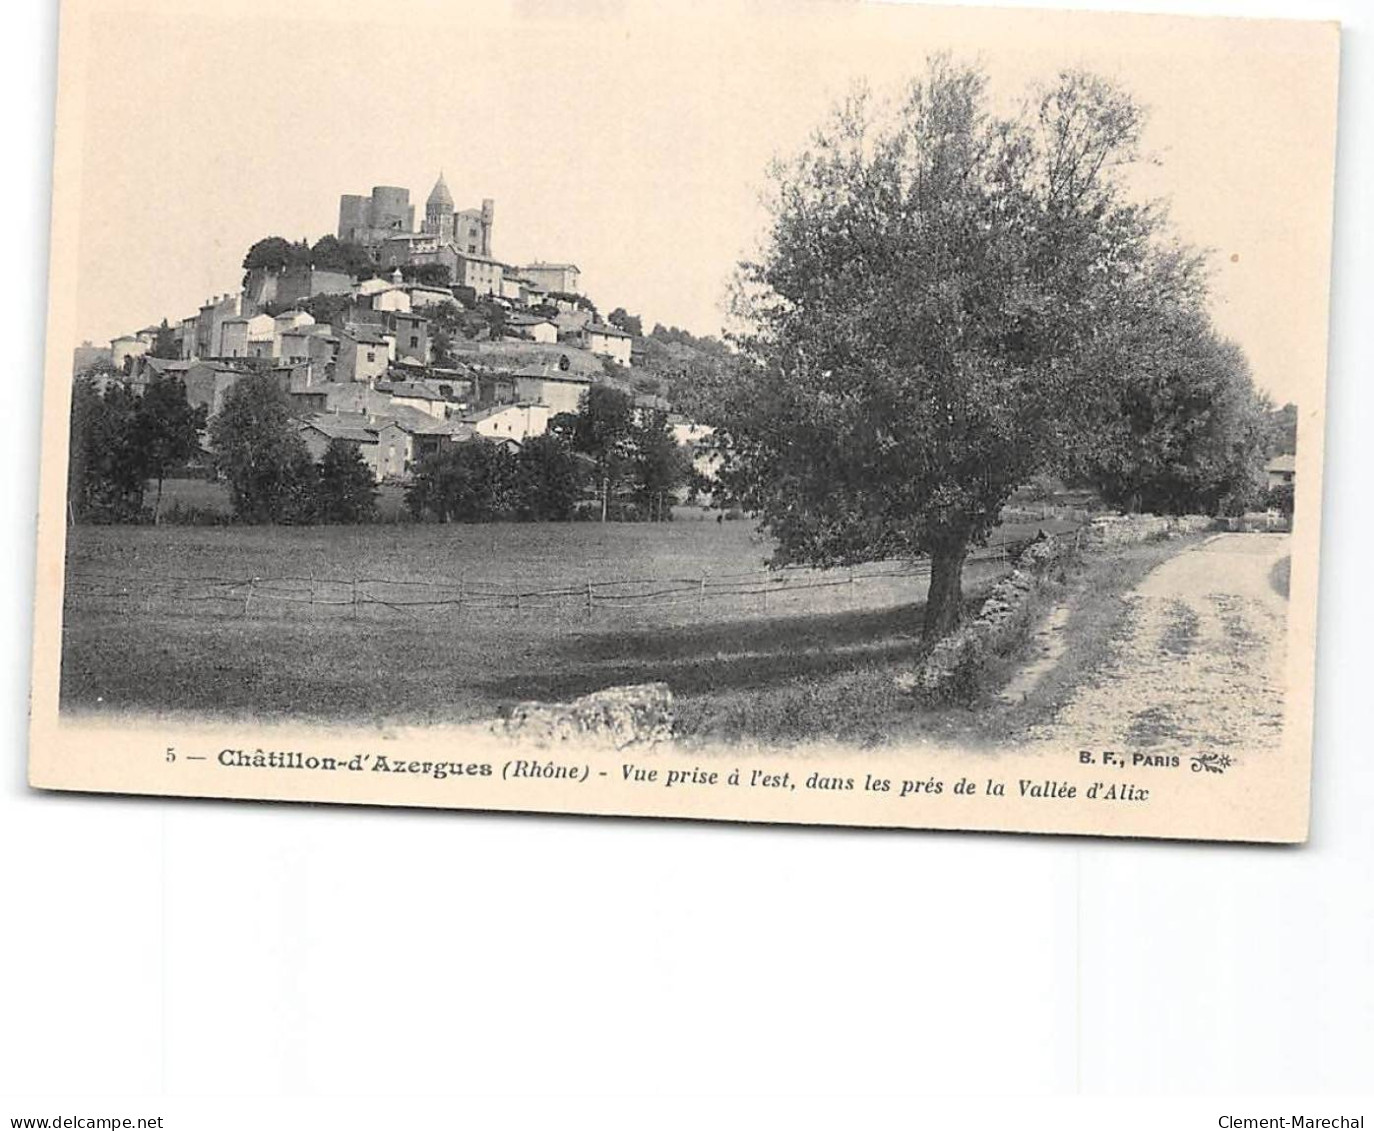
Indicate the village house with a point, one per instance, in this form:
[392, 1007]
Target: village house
[406, 436]
[320, 428]
[532, 327]
[606, 340]
[308, 343]
[247, 336]
[517, 421]
[560, 390]
[124, 349]
[479, 272]
[563, 277]
[411, 332]
[431, 398]
[362, 356]
[208, 383]
[210, 321]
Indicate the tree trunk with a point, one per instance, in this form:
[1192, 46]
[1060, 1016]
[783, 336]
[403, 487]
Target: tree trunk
[157, 506]
[605, 494]
[945, 601]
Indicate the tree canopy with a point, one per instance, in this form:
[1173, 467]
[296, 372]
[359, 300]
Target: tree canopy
[934, 315]
[260, 452]
[347, 492]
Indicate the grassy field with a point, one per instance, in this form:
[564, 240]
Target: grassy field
[817, 662]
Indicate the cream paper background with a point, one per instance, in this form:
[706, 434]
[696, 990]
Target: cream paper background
[1265, 802]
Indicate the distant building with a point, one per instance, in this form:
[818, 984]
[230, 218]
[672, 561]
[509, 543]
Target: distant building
[479, 272]
[517, 421]
[560, 390]
[308, 343]
[319, 429]
[406, 436]
[532, 327]
[564, 277]
[1280, 471]
[606, 340]
[209, 382]
[439, 400]
[368, 220]
[362, 357]
[124, 349]
[247, 336]
[411, 332]
[210, 322]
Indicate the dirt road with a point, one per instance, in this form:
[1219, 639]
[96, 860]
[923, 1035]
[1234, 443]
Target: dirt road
[1201, 665]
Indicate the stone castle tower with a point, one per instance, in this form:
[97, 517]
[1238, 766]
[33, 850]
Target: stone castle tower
[439, 210]
[467, 229]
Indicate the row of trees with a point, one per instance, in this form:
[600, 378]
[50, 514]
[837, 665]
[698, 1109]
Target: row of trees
[949, 301]
[120, 442]
[329, 253]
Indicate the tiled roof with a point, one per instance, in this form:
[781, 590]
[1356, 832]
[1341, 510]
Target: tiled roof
[605, 330]
[343, 426]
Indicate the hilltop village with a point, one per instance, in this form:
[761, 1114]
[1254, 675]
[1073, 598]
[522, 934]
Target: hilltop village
[403, 340]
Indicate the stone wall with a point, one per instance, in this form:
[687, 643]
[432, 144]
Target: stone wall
[952, 664]
[1125, 529]
[954, 660]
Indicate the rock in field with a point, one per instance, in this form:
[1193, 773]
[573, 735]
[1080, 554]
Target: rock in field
[638, 714]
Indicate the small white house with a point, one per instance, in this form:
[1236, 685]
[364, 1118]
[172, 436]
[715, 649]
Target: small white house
[510, 421]
[606, 340]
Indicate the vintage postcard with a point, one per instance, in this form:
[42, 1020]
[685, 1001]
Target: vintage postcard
[856, 414]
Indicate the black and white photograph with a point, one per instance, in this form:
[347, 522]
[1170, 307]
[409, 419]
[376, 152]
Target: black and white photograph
[898, 421]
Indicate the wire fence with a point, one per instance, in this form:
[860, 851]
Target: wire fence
[354, 597]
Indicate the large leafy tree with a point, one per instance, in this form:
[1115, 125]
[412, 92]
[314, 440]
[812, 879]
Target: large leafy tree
[333, 254]
[931, 285]
[272, 253]
[1184, 431]
[165, 431]
[347, 491]
[661, 465]
[473, 481]
[550, 477]
[260, 452]
[604, 429]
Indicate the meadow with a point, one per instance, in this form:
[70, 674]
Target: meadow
[158, 622]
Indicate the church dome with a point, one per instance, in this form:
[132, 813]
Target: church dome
[439, 196]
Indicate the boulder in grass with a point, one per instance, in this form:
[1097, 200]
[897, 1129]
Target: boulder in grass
[638, 714]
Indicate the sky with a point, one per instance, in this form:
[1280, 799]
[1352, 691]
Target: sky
[633, 139]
